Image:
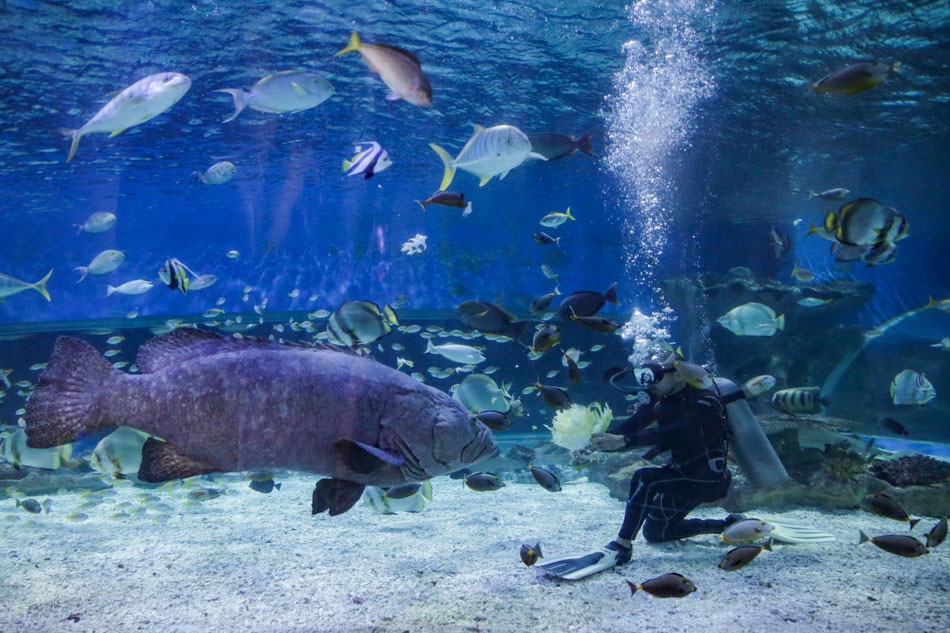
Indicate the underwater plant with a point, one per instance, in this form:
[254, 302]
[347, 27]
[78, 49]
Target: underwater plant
[573, 426]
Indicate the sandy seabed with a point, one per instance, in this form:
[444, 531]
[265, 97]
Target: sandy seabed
[247, 561]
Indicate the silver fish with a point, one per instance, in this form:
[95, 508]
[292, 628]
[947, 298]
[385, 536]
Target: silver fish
[104, 262]
[223, 404]
[134, 287]
[287, 91]
[490, 152]
[217, 174]
[144, 100]
[98, 222]
[837, 193]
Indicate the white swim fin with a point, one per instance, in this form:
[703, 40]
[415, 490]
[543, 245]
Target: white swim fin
[789, 532]
[584, 565]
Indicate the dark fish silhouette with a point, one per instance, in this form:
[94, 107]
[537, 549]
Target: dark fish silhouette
[225, 404]
[892, 425]
[553, 146]
[530, 555]
[665, 586]
[545, 478]
[906, 546]
[885, 506]
[585, 303]
[491, 318]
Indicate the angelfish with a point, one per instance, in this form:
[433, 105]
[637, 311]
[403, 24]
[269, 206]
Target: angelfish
[225, 404]
[144, 100]
[174, 274]
[369, 159]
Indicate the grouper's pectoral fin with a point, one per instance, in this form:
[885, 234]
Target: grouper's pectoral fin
[363, 458]
[335, 495]
[162, 461]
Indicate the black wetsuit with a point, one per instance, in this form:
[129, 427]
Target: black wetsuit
[691, 424]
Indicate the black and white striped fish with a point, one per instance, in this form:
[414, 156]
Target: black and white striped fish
[174, 274]
[800, 400]
[370, 158]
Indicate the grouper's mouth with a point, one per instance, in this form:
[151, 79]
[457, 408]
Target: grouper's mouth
[480, 447]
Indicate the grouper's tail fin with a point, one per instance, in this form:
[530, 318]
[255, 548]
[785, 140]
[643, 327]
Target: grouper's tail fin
[61, 406]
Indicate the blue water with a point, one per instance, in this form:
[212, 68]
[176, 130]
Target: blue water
[706, 133]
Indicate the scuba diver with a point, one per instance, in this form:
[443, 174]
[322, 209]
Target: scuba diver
[690, 423]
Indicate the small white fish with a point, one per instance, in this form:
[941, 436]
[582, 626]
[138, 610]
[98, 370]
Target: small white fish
[414, 245]
[200, 282]
[134, 287]
[488, 153]
[109, 353]
[217, 174]
[104, 262]
[838, 193]
[115, 340]
[754, 386]
[746, 530]
[944, 344]
[812, 302]
[457, 353]
[144, 100]
[370, 158]
[909, 387]
[233, 254]
[287, 91]
[98, 222]
[549, 272]
[293, 294]
[556, 218]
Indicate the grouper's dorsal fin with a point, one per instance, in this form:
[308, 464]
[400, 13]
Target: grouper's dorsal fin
[162, 461]
[185, 344]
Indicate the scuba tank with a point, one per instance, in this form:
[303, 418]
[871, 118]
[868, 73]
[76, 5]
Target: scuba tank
[751, 447]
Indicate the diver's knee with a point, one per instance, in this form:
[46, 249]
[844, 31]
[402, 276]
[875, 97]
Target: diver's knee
[653, 531]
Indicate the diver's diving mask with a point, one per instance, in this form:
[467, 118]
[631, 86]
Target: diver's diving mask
[644, 376]
[651, 373]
